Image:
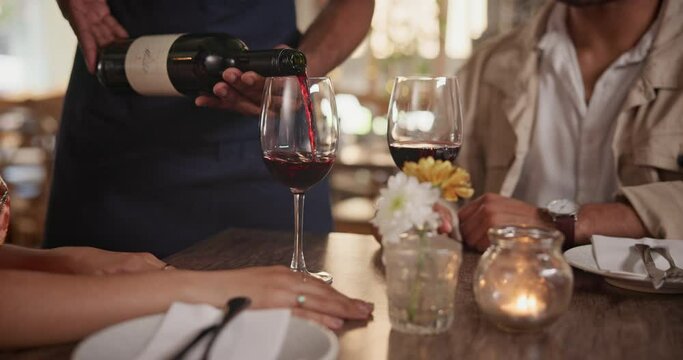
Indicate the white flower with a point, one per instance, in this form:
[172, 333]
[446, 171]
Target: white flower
[404, 204]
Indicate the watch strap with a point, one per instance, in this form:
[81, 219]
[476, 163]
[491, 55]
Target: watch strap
[566, 225]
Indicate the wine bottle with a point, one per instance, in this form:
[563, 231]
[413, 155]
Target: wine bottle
[187, 64]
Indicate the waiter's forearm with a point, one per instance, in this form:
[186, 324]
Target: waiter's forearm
[335, 33]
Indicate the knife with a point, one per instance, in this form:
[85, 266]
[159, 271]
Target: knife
[656, 275]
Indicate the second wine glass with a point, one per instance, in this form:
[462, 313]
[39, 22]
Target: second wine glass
[424, 119]
[299, 132]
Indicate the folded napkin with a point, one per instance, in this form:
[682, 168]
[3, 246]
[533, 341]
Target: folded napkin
[253, 334]
[619, 255]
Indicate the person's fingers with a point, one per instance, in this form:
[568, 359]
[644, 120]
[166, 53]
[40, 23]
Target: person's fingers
[445, 228]
[238, 104]
[338, 306]
[103, 35]
[469, 229]
[99, 33]
[221, 89]
[230, 75]
[466, 211]
[446, 219]
[331, 322]
[89, 49]
[153, 261]
[207, 101]
[115, 27]
[317, 287]
[250, 85]
[482, 244]
[253, 79]
[231, 99]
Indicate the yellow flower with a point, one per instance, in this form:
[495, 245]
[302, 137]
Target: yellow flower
[453, 181]
[457, 185]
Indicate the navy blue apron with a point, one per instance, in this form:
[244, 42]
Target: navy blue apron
[158, 174]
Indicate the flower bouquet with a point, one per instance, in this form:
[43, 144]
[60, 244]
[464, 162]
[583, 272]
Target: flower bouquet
[421, 266]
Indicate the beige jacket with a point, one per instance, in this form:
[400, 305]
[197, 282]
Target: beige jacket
[500, 90]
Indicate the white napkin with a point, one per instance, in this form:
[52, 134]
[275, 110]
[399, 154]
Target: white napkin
[619, 256]
[253, 334]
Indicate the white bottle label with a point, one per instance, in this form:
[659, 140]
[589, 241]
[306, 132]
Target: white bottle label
[146, 65]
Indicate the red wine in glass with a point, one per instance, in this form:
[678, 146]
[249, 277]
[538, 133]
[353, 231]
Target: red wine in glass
[308, 106]
[299, 171]
[415, 150]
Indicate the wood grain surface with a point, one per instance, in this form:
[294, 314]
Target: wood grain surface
[603, 322]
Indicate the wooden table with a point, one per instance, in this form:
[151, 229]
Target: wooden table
[603, 322]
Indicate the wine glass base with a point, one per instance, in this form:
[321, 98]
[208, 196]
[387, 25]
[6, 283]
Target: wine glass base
[321, 275]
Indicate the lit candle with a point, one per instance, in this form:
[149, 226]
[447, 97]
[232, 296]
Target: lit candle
[526, 305]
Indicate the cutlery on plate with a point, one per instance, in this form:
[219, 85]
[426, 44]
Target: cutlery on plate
[673, 271]
[233, 307]
[656, 275]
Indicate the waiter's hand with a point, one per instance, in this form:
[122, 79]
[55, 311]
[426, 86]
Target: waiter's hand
[239, 92]
[491, 210]
[93, 25]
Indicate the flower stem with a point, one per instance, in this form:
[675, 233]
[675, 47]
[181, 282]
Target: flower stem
[416, 286]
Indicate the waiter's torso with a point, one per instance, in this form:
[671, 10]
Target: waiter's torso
[156, 174]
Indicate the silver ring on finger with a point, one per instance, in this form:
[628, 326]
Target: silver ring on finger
[300, 300]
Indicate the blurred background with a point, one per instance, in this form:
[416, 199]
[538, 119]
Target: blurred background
[408, 37]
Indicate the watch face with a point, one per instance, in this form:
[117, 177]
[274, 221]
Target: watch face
[563, 207]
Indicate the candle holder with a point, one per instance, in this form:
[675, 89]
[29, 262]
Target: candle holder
[522, 282]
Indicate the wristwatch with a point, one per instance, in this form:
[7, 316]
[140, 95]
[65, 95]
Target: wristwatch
[564, 214]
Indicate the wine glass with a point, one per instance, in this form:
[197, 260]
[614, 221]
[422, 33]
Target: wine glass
[299, 132]
[424, 119]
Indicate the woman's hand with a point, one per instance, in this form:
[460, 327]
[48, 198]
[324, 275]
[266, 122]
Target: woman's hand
[279, 287]
[92, 261]
[93, 25]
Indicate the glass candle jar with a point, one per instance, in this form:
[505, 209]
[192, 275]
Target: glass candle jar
[522, 282]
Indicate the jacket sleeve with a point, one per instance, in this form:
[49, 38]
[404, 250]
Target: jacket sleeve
[659, 206]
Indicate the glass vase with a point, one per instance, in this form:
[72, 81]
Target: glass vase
[422, 275]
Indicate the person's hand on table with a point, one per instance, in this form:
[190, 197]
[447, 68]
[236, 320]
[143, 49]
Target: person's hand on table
[93, 25]
[92, 261]
[279, 287]
[491, 210]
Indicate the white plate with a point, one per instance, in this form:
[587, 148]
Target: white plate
[581, 257]
[305, 340]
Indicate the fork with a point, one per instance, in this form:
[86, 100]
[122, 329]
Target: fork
[673, 271]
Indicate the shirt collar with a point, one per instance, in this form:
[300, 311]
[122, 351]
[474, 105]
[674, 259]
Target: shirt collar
[557, 35]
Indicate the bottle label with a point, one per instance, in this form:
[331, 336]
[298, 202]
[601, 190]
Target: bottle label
[146, 65]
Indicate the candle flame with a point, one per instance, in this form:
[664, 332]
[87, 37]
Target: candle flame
[524, 305]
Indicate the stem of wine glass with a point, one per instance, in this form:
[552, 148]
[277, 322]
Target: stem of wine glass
[298, 263]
